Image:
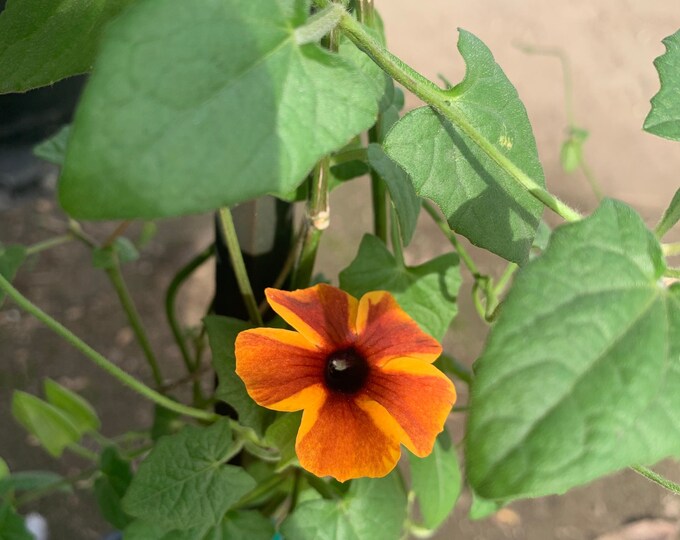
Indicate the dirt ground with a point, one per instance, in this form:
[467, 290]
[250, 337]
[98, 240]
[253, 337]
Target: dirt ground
[610, 44]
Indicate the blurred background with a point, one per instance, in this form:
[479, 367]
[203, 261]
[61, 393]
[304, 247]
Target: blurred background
[609, 47]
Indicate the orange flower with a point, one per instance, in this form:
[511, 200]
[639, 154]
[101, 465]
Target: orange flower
[361, 370]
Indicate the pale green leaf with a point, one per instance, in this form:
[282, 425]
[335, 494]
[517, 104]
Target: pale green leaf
[4, 469]
[54, 148]
[121, 251]
[664, 117]
[404, 198]
[373, 509]
[78, 410]
[482, 508]
[111, 486]
[427, 292]
[191, 109]
[11, 258]
[436, 481]
[580, 373]
[480, 200]
[571, 153]
[42, 41]
[33, 480]
[222, 332]
[185, 483]
[49, 425]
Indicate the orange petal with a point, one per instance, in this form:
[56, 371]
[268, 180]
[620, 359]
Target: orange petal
[280, 368]
[346, 438]
[325, 315]
[386, 331]
[418, 396]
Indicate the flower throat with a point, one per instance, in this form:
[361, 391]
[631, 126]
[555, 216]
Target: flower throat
[346, 371]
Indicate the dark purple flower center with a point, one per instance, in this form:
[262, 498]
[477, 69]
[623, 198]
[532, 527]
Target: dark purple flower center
[346, 371]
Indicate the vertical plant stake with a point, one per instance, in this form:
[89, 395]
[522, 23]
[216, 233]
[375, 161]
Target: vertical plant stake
[196, 107]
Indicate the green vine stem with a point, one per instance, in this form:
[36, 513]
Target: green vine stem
[317, 220]
[505, 278]
[264, 488]
[431, 94]
[118, 231]
[672, 272]
[239, 266]
[568, 105]
[356, 154]
[116, 278]
[397, 248]
[455, 368]
[366, 13]
[104, 363]
[451, 236]
[171, 297]
[49, 243]
[657, 478]
[669, 250]
[83, 452]
[43, 491]
[285, 271]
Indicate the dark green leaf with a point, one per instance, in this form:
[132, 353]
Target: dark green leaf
[184, 482]
[12, 525]
[404, 198]
[112, 486]
[165, 422]
[664, 117]
[374, 508]
[172, 83]
[579, 375]
[670, 216]
[222, 332]
[11, 258]
[42, 41]
[242, 525]
[347, 171]
[282, 434]
[110, 504]
[54, 148]
[79, 411]
[236, 525]
[49, 425]
[427, 292]
[436, 481]
[480, 200]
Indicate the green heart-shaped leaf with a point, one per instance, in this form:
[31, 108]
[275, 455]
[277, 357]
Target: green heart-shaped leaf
[580, 374]
[480, 200]
[190, 108]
